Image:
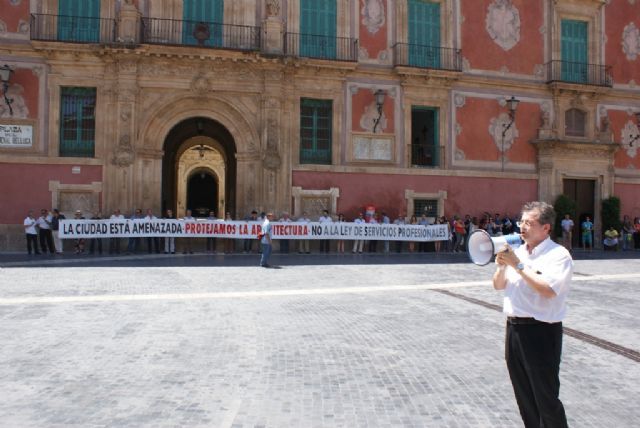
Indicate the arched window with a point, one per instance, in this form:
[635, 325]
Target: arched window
[574, 121]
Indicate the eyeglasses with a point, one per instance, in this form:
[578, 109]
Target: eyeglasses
[525, 223]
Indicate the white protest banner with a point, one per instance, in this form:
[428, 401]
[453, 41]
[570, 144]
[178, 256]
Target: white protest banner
[75, 229]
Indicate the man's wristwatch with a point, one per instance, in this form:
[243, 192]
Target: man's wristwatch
[520, 266]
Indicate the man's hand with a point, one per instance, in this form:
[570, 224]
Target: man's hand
[506, 257]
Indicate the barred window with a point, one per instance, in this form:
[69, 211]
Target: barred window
[427, 206]
[77, 122]
[574, 123]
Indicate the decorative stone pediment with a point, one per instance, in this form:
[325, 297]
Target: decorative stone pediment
[503, 23]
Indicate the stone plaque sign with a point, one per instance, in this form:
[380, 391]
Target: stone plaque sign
[16, 135]
[372, 149]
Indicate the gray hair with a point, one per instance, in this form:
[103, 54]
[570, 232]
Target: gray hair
[546, 213]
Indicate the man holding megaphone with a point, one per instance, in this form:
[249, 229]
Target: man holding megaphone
[535, 278]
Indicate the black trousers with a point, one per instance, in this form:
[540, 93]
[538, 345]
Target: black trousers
[533, 354]
[32, 241]
[46, 241]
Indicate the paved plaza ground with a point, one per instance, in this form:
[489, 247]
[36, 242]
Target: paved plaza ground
[408, 340]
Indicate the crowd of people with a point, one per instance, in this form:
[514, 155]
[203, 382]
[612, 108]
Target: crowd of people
[42, 234]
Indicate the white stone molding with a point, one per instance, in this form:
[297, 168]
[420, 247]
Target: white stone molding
[496, 127]
[71, 197]
[372, 15]
[627, 134]
[631, 41]
[314, 201]
[411, 196]
[20, 110]
[503, 23]
[211, 162]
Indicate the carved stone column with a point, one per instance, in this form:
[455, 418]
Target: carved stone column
[273, 28]
[128, 19]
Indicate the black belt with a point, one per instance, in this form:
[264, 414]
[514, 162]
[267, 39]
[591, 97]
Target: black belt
[523, 320]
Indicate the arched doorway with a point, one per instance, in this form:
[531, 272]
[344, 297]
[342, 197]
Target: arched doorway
[202, 193]
[199, 159]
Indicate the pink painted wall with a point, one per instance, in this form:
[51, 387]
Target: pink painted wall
[476, 141]
[465, 195]
[27, 186]
[629, 195]
[373, 43]
[484, 54]
[24, 85]
[618, 14]
[12, 14]
[618, 120]
[365, 97]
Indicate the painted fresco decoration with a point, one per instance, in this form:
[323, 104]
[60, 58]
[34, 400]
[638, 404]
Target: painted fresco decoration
[503, 23]
[20, 110]
[372, 15]
[631, 41]
[496, 125]
[629, 131]
[369, 117]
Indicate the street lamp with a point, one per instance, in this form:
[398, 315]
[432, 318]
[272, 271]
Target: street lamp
[379, 95]
[512, 103]
[5, 74]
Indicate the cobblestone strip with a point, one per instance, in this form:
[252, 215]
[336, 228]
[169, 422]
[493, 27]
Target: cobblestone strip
[601, 343]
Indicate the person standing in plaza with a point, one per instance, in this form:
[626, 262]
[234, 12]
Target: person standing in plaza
[284, 243]
[265, 241]
[169, 241]
[358, 244]
[325, 218]
[399, 221]
[55, 229]
[535, 278]
[587, 233]
[78, 243]
[114, 243]
[229, 243]
[303, 244]
[567, 231]
[31, 233]
[188, 218]
[248, 243]
[211, 242]
[153, 242]
[627, 233]
[93, 241]
[46, 238]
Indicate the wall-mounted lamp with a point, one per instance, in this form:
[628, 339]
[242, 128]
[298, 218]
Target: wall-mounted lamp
[512, 104]
[5, 74]
[379, 94]
[636, 137]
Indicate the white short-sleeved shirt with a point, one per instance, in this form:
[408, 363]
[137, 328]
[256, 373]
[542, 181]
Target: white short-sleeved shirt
[44, 222]
[31, 223]
[554, 264]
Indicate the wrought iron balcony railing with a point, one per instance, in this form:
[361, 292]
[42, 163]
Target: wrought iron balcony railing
[426, 155]
[194, 33]
[579, 73]
[72, 29]
[322, 47]
[406, 54]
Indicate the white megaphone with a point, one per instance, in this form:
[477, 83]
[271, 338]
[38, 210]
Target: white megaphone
[483, 246]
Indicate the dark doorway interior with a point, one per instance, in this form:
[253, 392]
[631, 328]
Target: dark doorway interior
[202, 194]
[425, 151]
[583, 192]
[197, 126]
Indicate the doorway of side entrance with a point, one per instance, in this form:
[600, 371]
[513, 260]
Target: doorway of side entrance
[202, 194]
[583, 193]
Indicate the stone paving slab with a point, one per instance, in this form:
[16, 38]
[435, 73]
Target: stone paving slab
[355, 346]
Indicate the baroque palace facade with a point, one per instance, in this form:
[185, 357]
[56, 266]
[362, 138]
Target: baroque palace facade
[444, 106]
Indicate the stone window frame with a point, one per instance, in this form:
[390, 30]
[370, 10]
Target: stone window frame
[298, 194]
[448, 28]
[336, 132]
[411, 195]
[343, 18]
[588, 11]
[575, 130]
[93, 190]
